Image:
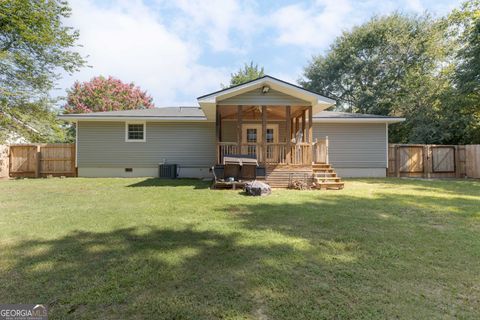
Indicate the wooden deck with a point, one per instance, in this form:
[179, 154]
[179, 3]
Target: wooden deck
[317, 176]
[280, 138]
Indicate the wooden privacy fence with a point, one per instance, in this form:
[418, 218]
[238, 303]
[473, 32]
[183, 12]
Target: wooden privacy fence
[433, 161]
[42, 160]
[472, 154]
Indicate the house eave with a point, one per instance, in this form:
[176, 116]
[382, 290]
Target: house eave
[75, 118]
[358, 120]
[316, 101]
[277, 84]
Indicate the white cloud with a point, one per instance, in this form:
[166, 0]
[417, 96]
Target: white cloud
[169, 47]
[220, 21]
[127, 40]
[415, 5]
[313, 26]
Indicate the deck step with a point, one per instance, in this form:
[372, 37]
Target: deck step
[321, 165]
[327, 179]
[319, 176]
[329, 185]
[329, 171]
[324, 174]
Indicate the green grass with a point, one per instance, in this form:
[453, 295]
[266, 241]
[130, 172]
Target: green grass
[143, 248]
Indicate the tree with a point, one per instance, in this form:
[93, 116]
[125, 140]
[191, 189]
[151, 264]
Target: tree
[34, 47]
[106, 94]
[391, 65]
[464, 27]
[247, 73]
[366, 67]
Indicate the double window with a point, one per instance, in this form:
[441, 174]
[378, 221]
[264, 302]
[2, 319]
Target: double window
[135, 132]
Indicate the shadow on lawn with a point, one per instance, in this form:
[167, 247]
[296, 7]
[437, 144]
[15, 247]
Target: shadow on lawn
[157, 273]
[335, 214]
[157, 182]
[330, 256]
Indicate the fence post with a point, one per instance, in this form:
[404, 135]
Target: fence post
[397, 161]
[456, 156]
[38, 162]
[426, 170]
[327, 157]
[73, 155]
[9, 161]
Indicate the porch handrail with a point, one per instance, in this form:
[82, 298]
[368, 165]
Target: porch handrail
[276, 153]
[320, 150]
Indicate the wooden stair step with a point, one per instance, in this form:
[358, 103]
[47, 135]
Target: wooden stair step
[327, 179]
[324, 174]
[330, 185]
[321, 165]
[323, 170]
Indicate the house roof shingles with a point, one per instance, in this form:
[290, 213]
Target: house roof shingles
[347, 115]
[196, 113]
[165, 112]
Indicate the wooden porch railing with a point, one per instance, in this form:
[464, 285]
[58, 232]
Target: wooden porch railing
[320, 150]
[276, 153]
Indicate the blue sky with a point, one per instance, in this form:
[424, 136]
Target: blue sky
[178, 50]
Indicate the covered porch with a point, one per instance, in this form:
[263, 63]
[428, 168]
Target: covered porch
[272, 134]
[270, 121]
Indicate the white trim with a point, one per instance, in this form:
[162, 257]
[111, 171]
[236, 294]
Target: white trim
[76, 144]
[266, 80]
[386, 142]
[129, 118]
[257, 126]
[144, 131]
[358, 120]
[204, 119]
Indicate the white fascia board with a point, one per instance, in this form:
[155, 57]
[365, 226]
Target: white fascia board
[129, 118]
[275, 84]
[358, 120]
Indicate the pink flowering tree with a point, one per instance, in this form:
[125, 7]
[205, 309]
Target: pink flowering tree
[106, 94]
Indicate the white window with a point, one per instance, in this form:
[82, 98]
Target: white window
[135, 132]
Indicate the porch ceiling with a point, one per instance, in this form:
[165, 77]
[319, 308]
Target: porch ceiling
[255, 112]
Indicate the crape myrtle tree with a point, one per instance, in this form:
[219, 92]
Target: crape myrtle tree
[106, 94]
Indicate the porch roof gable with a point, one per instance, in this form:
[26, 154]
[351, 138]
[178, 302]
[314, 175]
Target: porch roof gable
[318, 102]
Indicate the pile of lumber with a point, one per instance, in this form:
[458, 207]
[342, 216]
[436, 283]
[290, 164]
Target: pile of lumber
[299, 185]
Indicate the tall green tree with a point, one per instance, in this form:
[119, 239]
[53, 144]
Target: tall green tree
[247, 73]
[463, 25]
[35, 46]
[392, 65]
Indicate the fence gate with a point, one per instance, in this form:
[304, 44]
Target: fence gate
[41, 160]
[443, 159]
[23, 161]
[427, 161]
[410, 159]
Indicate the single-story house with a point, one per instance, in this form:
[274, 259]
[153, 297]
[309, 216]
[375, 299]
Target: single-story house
[280, 124]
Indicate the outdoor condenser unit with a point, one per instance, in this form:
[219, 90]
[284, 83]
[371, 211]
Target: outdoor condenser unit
[167, 171]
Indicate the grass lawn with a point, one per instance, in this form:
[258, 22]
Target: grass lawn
[143, 248]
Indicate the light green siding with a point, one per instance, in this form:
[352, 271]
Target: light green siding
[192, 144]
[257, 98]
[354, 145]
[102, 144]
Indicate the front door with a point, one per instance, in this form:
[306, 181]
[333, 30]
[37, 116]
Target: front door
[252, 139]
